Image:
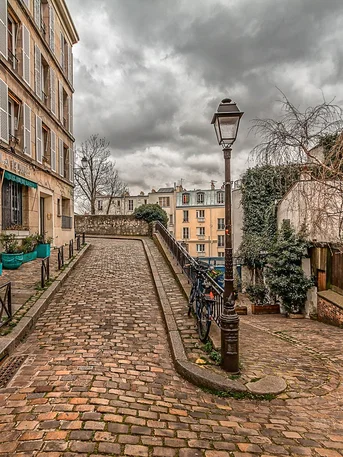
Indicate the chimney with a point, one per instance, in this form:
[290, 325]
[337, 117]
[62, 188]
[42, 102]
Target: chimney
[212, 185]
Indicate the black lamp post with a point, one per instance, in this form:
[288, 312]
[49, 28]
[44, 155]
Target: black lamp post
[226, 121]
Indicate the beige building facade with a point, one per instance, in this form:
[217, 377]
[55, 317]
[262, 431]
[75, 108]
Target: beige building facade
[200, 222]
[36, 118]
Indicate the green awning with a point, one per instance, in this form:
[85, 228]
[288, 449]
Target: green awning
[19, 179]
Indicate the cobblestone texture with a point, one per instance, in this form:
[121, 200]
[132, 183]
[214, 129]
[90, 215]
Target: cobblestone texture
[99, 379]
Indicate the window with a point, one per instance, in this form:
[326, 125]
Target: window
[200, 214]
[164, 201]
[53, 150]
[220, 197]
[200, 248]
[3, 111]
[59, 214]
[200, 197]
[52, 28]
[185, 233]
[45, 75]
[27, 130]
[130, 205]
[100, 205]
[53, 91]
[39, 139]
[46, 137]
[145, 202]
[171, 219]
[185, 216]
[221, 254]
[60, 157]
[11, 41]
[200, 231]
[221, 223]
[13, 118]
[118, 203]
[37, 12]
[67, 220]
[38, 72]
[12, 204]
[221, 241]
[185, 199]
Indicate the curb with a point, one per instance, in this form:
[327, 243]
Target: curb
[193, 373]
[28, 321]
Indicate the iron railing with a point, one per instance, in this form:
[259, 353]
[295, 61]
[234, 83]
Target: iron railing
[188, 263]
[5, 303]
[67, 222]
[60, 258]
[45, 271]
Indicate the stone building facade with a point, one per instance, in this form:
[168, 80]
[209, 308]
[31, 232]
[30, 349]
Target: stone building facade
[36, 118]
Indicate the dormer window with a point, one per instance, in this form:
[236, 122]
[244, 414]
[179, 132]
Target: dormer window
[220, 197]
[200, 197]
[185, 199]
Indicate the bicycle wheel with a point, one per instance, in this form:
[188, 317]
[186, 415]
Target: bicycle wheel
[204, 320]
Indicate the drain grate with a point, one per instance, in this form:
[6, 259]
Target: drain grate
[9, 368]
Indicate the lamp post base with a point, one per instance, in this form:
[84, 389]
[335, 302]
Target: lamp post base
[229, 323]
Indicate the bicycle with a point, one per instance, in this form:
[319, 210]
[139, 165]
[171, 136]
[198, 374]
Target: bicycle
[201, 301]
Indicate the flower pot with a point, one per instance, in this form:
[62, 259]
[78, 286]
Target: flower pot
[43, 250]
[28, 256]
[0, 269]
[265, 309]
[12, 261]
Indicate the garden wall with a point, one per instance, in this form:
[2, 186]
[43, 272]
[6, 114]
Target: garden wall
[330, 308]
[112, 225]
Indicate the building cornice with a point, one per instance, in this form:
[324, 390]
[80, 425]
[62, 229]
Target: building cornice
[68, 21]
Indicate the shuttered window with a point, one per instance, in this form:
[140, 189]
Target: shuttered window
[27, 129]
[61, 157]
[52, 91]
[39, 135]
[38, 72]
[60, 100]
[70, 65]
[71, 120]
[37, 12]
[52, 28]
[53, 150]
[3, 28]
[62, 51]
[3, 111]
[26, 55]
[71, 164]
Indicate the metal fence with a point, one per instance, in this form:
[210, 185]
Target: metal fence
[187, 263]
[45, 271]
[5, 303]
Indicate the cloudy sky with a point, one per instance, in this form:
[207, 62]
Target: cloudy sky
[150, 73]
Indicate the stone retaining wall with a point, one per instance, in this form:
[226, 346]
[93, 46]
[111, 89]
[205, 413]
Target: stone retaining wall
[329, 313]
[112, 225]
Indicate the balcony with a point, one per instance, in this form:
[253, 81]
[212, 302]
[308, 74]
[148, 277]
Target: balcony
[201, 219]
[201, 237]
[67, 222]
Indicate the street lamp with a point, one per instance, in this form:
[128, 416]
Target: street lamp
[84, 162]
[226, 121]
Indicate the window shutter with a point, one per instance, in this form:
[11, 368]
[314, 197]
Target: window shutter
[3, 28]
[26, 2]
[53, 150]
[52, 91]
[27, 130]
[68, 114]
[60, 152]
[60, 97]
[38, 71]
[62, 51]
[52, 28]
[70, 65]
[39, 135]
[26, 55]
[71, 127]
[37, 12]
[3, 111]
[71, 164]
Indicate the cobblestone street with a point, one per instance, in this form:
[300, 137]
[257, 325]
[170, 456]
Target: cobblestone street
[99, 380]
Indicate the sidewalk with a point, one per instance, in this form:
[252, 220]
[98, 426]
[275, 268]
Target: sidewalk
[305, 353]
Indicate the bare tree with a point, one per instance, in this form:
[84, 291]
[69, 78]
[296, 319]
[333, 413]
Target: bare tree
[99, 176]
[312, 142]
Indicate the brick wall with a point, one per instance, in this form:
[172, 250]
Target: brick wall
[112, 225]
[329, 313]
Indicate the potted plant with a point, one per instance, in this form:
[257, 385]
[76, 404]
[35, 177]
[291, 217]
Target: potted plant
[261, 303]
[43, 245]
[12, 257]
[29, 244]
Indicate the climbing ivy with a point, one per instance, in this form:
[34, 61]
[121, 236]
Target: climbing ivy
[262, 188]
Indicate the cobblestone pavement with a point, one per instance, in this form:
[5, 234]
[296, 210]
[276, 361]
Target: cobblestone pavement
[99, 381]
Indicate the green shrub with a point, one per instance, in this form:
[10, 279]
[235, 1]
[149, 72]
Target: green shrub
[151, 212]
[9, 243]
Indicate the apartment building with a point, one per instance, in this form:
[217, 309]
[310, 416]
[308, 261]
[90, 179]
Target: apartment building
[36, 118]
[200, 221]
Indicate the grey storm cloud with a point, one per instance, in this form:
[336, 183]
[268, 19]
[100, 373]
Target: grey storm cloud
[150, 73]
